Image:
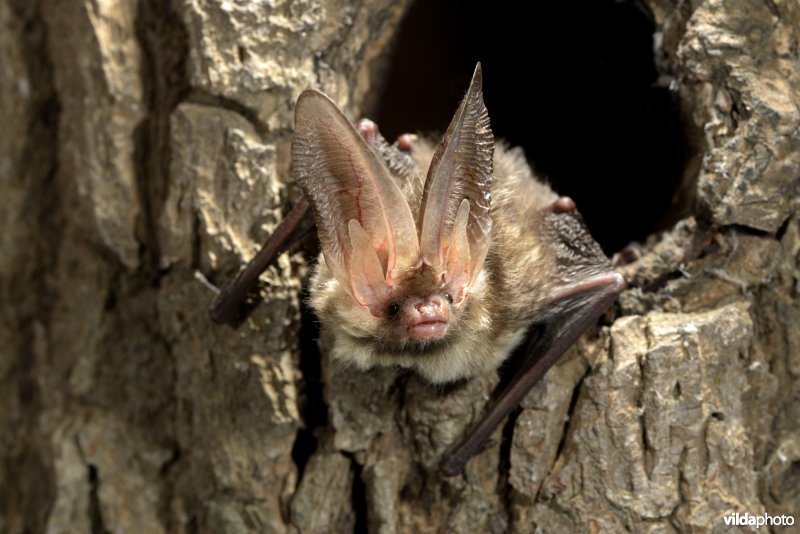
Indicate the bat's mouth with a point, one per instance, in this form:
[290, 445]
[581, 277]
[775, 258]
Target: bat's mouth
[429, 330]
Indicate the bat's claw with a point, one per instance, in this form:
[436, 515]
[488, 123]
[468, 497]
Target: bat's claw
[563, 205]
[630, 254]
[369, 131]
[205, 281]
[406, 142]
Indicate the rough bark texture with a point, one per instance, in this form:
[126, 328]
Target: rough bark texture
[143, 141]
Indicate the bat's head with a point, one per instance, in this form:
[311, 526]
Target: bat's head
[398, 278]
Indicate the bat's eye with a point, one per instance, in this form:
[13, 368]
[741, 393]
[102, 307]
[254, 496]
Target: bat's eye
[394, 309]
[449, 297]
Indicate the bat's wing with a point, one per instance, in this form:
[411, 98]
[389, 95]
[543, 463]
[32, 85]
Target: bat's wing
[588, 286]
[231, 305]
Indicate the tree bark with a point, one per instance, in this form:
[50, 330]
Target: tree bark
[145, 142]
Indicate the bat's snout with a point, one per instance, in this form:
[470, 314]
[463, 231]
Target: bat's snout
[427, 318]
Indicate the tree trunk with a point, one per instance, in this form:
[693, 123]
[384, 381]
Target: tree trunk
[144, 142]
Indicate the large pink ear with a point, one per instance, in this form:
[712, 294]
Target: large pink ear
[344, 181]
[461, 170]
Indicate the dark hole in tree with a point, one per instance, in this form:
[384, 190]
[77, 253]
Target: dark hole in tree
[574, 84]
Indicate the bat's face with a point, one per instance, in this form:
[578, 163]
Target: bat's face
[417, 326]
[419, 311]
[415, 315]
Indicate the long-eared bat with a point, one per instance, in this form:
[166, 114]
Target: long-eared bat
[438, 258]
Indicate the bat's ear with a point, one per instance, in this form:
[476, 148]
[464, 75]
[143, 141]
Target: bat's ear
[365, 226]
[456, 222]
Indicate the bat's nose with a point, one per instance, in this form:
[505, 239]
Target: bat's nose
[431, 306]
[428, 304]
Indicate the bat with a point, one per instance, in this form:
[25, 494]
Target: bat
[441, 258]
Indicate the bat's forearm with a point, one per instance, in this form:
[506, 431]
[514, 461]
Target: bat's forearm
[226, 307]
[598, 292]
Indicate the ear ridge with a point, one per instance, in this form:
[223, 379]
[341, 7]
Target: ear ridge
[457, 271]
[345, 180]
[461, 169]
[367, 280]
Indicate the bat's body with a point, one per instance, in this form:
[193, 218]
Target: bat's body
[440, 258]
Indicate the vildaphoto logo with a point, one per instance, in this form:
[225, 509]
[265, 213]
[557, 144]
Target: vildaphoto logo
[762, 520]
